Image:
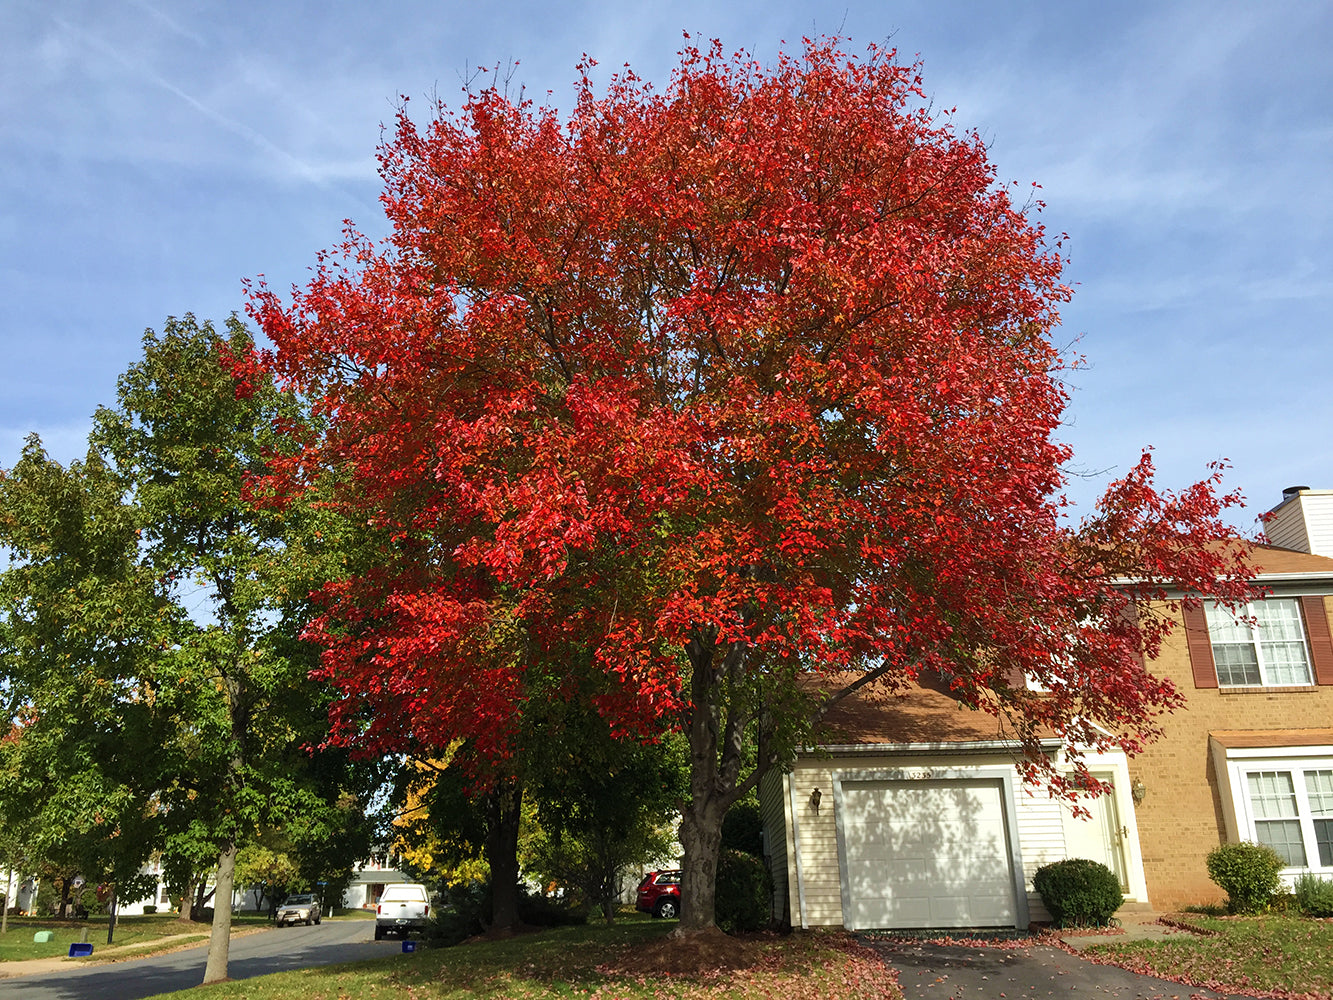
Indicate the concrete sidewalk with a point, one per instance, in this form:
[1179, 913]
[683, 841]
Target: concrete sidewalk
[1135, 925]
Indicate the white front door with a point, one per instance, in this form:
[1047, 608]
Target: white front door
[1099, 836]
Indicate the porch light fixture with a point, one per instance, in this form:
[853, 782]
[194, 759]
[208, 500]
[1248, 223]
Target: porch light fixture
[815, 796]
[1138, 791]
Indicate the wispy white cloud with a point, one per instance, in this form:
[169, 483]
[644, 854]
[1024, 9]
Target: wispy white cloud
[322, 174]
[176, 26]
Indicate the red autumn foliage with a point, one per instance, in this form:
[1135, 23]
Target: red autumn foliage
[717, 387]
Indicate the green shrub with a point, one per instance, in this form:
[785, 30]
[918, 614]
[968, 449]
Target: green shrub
[468, 913]
[47, 903]
[1078, 892]
[537, 910]
[149, 909]
[463, 916]
[1247, 873]
[744, 899]
[1314, 895]
[743, 828]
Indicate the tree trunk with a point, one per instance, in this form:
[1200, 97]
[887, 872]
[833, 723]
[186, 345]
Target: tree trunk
[701, 837]
[187, 901]
[716, 734]
[219, 941]
[502, 855]
[111, 921]
[9, 901]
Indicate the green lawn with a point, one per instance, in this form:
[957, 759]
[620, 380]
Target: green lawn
[344, 913]
[131, 932]
[624, 962]
[1277, 952]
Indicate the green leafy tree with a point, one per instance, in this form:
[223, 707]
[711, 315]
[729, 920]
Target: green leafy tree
[81, 617]
[268, 870]
[605, 805]
[189, 436]
[151, 601]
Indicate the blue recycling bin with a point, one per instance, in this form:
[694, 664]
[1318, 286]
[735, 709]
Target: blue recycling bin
[409, 946]
[80, 949]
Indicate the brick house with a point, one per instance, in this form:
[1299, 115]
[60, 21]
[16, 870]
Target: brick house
[911, 813]
[1250, 756]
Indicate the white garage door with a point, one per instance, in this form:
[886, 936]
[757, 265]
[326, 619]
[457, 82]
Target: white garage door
[929, 853]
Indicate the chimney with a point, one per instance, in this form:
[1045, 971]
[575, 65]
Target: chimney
[1302, 521]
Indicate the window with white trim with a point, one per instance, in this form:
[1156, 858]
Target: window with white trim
[1262, 645]
[1291, 810]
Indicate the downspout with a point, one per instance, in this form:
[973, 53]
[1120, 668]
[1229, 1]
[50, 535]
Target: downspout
[796, 852]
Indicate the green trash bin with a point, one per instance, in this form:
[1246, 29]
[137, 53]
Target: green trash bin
[42, 937]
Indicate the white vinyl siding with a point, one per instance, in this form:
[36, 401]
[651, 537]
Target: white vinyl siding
[1042, 837]
[773, 814]
[1304, 523]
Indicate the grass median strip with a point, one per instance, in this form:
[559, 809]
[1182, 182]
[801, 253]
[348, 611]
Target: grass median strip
[133, 935]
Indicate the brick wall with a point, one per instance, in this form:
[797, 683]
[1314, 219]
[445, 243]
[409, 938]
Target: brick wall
[1180, 819]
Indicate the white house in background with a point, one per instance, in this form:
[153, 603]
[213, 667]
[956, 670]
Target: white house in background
[369, 880]
[19, 890]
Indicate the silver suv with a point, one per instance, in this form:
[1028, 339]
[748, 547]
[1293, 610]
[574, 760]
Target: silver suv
[300, 909]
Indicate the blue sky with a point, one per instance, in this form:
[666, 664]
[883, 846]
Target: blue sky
[157, 153]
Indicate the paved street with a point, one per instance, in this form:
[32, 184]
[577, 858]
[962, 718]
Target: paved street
[253, 955]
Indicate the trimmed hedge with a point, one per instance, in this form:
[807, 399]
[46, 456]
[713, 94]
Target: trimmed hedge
[1247, 873]
[744, 900]
[1078, 892]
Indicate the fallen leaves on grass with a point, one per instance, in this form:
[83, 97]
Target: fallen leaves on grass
[1275, 957]
[754, 966]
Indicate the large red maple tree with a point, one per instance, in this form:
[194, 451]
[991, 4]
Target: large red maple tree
[718, 388]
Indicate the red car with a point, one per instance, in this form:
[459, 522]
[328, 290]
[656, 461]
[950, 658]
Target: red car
[659, 894]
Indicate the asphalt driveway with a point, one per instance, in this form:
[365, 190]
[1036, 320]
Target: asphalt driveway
[953, 972]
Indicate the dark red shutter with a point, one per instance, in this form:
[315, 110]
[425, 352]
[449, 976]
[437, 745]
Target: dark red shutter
[1201, 650]
[1131, 617]
[1321, 645]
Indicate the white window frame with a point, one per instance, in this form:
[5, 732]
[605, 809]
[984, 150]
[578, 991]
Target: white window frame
[1291, 760]
[1214, 613]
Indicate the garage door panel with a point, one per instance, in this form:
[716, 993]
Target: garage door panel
[931, 853]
